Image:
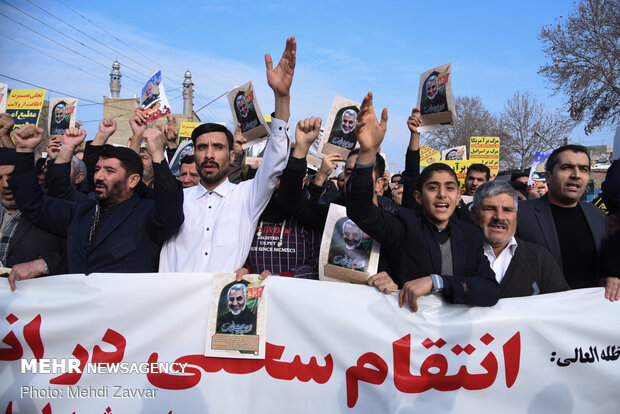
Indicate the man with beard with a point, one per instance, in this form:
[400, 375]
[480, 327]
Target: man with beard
[240, 320]
[345, 138]
[221, 217]
[60, 122]
[112, 230]
[434, 101]
[27, 249]
[247, 117]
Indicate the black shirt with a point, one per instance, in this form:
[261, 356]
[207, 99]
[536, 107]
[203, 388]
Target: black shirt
[579, 261]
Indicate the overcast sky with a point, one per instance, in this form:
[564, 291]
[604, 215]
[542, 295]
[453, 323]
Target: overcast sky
[344, 48]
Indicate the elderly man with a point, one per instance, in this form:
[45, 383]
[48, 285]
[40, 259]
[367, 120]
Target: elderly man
[116, 230]
[221, 217]
[189, 176]
[571, 230]
[521, 268]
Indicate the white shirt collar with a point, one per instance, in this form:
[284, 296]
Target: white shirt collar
[512, 246]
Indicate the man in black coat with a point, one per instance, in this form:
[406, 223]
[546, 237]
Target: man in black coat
[521, 268]
[25, 248]
[572, 231]
[432, 251]
[115, 231]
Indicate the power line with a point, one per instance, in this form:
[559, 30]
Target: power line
[76, 40]
[52, 57]
[105, 31]
[64, 46]
[86, 34]
[65, 94]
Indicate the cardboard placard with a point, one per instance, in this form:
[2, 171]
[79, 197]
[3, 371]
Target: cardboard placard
[153, 98]
[538, 178]
[455, 153]
[186, 129]
[25, 105]
[347, 253]
[339, 136]
[460, 167]
[485, 150]
[246, 111]
[4, 92]
[435, 98]
[428, 155]
[62, 114]
[237, 325]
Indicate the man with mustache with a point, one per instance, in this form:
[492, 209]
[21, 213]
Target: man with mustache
[521, 268]
[221, 217]
[113, 229]
[571, 230]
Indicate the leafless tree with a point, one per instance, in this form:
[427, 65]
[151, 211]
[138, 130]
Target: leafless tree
[530, 127]
[473, 120]
[583, 61]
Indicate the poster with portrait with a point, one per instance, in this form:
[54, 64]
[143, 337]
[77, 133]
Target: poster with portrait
[184, 148]
[246, 111]
[455, 153]
[62, 114]
[538, 179]
[153, 98]
[4, 92]
[25, 105]
[435, 98]
[347, 253]
[237, 324]
[339, 136]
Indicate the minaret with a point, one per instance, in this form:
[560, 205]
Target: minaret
[115, 80]
[188, 94]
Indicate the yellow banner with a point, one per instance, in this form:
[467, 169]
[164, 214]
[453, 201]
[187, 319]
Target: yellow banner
[25, 105]
[485, 150]
[428, 155]
[186, 129]
[460, 168]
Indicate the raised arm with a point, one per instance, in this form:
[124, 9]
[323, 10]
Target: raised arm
[168, 193]
[138, 126]
[49, 213]
[6, 126]
[376, 222]
[291, 198]
[280, 80]
[58, 174]
[412, 160]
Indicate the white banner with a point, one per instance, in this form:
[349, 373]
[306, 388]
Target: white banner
[331, 347]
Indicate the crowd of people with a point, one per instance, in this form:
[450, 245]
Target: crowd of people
[120, 209]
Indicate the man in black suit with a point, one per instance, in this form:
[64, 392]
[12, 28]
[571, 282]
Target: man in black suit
[521, 268]
[116, 230]
[27, 249]
[571, 230]
[431, 252]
